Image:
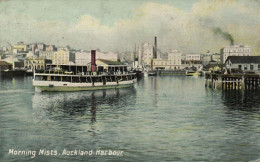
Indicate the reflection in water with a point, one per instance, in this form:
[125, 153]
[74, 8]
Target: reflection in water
[154, 87]
[94, 106]
[162, 118]
[53, 106]
[242, 100]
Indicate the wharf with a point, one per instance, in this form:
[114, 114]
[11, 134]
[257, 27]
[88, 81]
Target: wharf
[169, 72]
[13, 73]
[237, 81]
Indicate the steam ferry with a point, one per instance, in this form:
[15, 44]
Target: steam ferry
[107, 75]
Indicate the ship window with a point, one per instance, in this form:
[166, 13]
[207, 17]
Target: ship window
[245, 67]
[37, 77]
[239, 67]
[258, 66]
[75, 79]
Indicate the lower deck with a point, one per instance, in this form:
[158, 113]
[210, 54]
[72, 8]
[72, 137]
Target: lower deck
[81, 83]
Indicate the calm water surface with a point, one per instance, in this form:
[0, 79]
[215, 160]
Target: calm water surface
[171, 118]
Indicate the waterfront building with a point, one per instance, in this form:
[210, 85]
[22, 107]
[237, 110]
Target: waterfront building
[206, 59]
[191, 60]
[5, 66]
[35, 63]
[146, 54]
[216, 57]
[174, 57]
[110, 66]
[160, 63]
[83, 58]
[107, 56]
[46, 54]
[234, 50]
[11, 60]
[193, 57]
[63, 57]
[210, 59]
[243, 63]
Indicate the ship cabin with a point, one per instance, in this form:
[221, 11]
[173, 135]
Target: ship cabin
[104, 71]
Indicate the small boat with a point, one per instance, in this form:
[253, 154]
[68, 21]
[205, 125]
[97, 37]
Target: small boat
[193, 73]
[151, 73]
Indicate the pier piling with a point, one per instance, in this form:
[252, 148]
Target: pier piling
[232, 81]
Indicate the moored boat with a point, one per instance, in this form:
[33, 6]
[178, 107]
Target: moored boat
[193, 73]
[84, 77]
[151, 73]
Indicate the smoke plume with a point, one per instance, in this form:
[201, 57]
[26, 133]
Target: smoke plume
[225, 35]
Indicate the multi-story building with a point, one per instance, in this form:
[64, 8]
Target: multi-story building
[62, 57]
[83, 58]
[234, 50]
[146, 54]
[160, 63]
[192, 61]
[210, 58]
[107, 56]
[193, 57]
[216, 57]
[35, 63]
[46, 54]
[206, 58]
[174, 56]
[172, 62]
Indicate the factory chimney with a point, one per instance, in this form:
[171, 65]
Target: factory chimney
[93, 60]
[155, 47]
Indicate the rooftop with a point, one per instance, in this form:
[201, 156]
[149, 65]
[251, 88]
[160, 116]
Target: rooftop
[109, 62]
[244, 59]
[4, 63]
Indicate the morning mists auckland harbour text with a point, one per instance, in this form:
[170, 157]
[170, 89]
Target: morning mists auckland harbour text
[65, 152]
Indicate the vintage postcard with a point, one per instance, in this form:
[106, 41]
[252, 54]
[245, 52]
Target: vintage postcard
[131, 80]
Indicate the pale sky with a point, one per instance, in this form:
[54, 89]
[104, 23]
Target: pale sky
[117, 25]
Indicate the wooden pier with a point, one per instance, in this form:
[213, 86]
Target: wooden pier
[232, 81]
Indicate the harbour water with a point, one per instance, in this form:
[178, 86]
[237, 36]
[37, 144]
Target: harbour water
[172, 118]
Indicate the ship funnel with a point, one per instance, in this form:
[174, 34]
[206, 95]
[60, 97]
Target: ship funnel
[93, 60]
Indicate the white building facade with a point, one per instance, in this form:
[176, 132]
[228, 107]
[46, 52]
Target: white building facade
[193, 57]
[46, 54]
[146, 55]
[83, 58]
[174, 57]
[234, 50]
[63, 57]
[243, 63]
[192, 60]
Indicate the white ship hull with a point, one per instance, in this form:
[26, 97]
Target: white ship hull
[60, 86]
